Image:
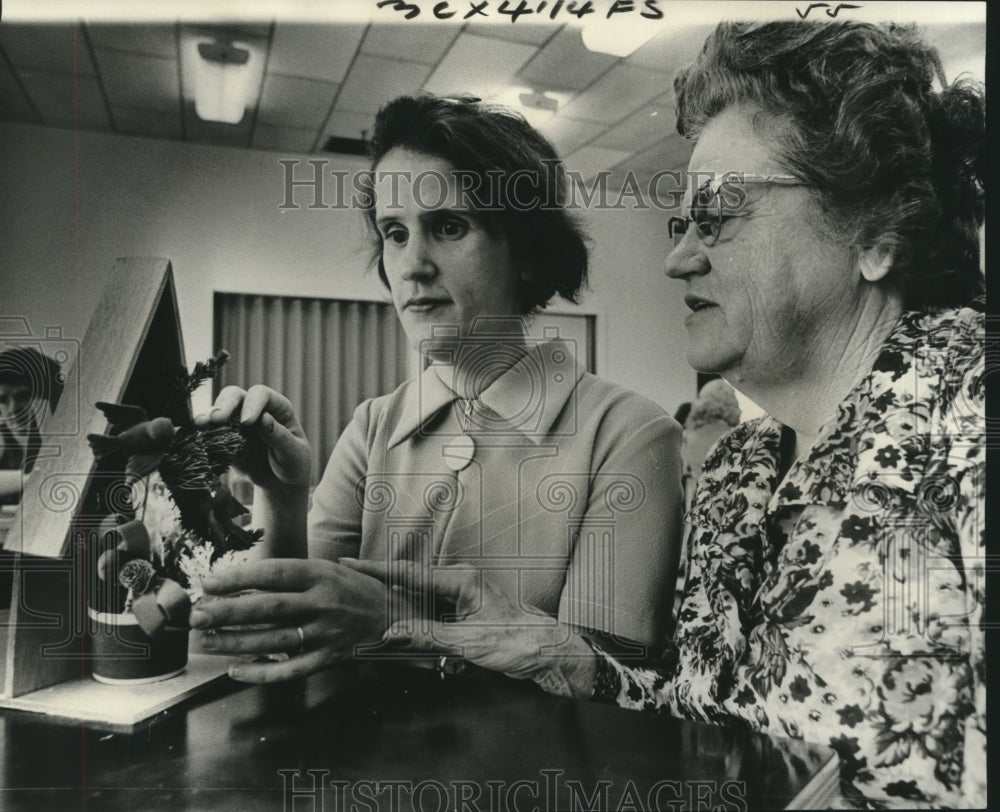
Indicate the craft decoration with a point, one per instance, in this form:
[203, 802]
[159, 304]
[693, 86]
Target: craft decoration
[177, 523]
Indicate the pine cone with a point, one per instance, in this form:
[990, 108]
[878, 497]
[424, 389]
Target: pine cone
[136, 575]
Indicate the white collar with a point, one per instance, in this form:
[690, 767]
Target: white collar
[529, 396]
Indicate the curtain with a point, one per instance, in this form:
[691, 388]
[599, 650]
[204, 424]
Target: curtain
[325, 355]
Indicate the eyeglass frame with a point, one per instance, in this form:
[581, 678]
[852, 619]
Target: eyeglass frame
[678, 226]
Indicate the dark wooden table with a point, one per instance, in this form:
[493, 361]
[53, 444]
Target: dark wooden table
[398, 739]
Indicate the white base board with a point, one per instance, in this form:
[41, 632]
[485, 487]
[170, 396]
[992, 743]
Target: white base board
[121, 706]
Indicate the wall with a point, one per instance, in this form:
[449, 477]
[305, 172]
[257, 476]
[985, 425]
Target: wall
[70, 203]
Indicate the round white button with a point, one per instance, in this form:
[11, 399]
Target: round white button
[459, 452]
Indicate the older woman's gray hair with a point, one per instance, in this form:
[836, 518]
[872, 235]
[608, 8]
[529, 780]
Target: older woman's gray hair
[892, 160]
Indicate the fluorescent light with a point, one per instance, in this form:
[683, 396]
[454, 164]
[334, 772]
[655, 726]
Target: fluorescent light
[620, 36]
[224, 78]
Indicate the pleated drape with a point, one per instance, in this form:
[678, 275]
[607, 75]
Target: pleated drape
[325, 355]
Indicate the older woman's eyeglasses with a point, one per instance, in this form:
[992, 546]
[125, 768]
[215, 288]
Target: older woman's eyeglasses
[715, 201]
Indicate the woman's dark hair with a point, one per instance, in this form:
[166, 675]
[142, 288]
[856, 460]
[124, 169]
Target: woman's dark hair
[892, 160]
[519, 184]
[26, 366]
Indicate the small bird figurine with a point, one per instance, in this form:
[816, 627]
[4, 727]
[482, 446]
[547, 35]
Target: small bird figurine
[141, 440]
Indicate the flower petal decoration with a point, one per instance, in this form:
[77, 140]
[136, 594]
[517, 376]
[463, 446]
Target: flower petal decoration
[149, 615]
[135, 537]
[173, 601]
[109, 524]
[165, 604]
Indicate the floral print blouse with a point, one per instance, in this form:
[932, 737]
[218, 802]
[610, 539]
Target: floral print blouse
[844, 603]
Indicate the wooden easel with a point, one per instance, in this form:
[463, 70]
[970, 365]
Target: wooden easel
[132, 345]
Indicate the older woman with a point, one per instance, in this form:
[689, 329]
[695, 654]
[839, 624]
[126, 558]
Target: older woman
[835, 590]
[503, 455]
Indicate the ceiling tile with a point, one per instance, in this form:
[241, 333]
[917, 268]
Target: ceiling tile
[317, 51]
[636, 188]
[653, 188]
[152, 123]
[213, 132]
[375, 80]
[672, 152]
[617, 94]
[643, 128]
[416, 43]
[521, 31]
[64, 100]
[567, 134]
[672, 49]
[478, 65]
[154, 40]
[666, 102]
[51, 67]
[291, 101]
[588, 161]
[680, 152]
[283, 139]
[58, 48]
[565, 64]
[134, 80]
[14, 104]
[347, 125]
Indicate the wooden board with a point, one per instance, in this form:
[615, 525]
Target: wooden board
[119, 707]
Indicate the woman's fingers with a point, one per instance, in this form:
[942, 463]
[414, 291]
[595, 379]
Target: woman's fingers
[274, 574]
[449, 582]
[427, 636]
[228, 403]
[241, 610]
[281, 445]
[254, 641]
[277, 450]
[376, 569]
[261, 401]
[282, 583]
[288, 453]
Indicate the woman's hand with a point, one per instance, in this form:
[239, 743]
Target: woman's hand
[336, 608]
[489, 630]
[277, 451]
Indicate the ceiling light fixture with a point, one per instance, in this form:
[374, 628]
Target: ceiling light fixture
[225, 77]
[537, 107]
[620, 36]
